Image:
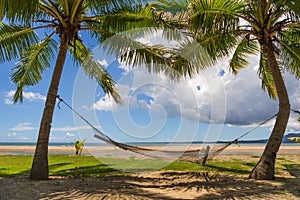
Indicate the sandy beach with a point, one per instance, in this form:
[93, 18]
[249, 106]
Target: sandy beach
[233, 149]
[167, 185]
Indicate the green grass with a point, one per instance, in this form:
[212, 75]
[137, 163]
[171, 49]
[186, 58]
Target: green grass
[78, 166]
[237, 167]
[60, 165]
[14, 165]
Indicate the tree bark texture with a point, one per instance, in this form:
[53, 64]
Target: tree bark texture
[39, 169]
[265, 168]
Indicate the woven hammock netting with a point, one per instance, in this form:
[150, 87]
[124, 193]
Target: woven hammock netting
[195, 155]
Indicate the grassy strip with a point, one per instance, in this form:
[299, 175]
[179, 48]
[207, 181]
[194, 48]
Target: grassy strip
[71, 165]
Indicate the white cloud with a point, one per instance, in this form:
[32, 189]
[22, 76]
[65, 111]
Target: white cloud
[68, 134]
[105, 103]
[8, 101]
[103, 63]
[240, 99]
[72, 128]
[23, 127]
[30, 96]
[14, 134]
[62, 137]
[24, 138]
[16, 137]
[215, 95]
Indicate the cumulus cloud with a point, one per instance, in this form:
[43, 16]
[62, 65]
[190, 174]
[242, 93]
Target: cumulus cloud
[105, 104]
[213, 96]
[30, 96]
[23, 127]
[236, 100]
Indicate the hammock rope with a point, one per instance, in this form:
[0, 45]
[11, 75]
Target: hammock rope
[195, 155]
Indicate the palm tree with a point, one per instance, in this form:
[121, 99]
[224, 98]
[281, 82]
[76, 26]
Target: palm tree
[61, 22]
[237, 28]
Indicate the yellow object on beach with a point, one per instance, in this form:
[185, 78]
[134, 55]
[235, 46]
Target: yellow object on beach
[79, 146]
[296, 139]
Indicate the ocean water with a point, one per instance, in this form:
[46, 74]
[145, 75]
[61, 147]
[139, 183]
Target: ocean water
[142, 144]
[149, 144]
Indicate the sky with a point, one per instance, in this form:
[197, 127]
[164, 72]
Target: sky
[213, 105]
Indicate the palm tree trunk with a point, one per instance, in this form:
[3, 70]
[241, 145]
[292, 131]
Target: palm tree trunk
[265, 168]
[39, 169]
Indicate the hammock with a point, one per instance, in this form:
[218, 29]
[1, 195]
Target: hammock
[196, 155]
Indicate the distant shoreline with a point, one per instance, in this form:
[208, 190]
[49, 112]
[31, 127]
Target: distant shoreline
[196, 143]
[103, 150]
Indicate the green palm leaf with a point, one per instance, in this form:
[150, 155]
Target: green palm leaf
[18, 10]
[195, 54]
[106, 26]
[215, 16]
[290, 52]
[32, 64]
[171, 6]
[14, 40]
[156, 58]
[215, 25]
[94, 70]
[107, 6]
[239, 58]
[294, 6]
[264, 73]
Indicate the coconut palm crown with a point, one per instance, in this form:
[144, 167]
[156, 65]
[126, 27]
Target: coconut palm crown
[237, 28]
[37, 32]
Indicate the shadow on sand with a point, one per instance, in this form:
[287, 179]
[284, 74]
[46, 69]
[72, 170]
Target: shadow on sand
[151, 185]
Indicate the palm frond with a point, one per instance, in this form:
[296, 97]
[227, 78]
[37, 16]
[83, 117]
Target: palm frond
[127, 20]
[108, 6]
[134, 53]
[79, 52]
[265, 75]
[173, 13]
[239, 58]
[215, 16]
[32, 64]
[18, 10]
[215, 25]
[14, 40]
[103, 27]
[294, 9]
[95, 71]
[142, 19]
[197, 56]
[217, 45]
[289, 56]
[175, 62]
[137, 54]
[171, 6]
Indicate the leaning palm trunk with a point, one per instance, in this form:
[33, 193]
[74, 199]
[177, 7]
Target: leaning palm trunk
[265, 168]
[39, 170]
[66, 20]
[235, 29]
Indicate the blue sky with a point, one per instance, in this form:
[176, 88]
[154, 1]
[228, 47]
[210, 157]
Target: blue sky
[214, 105]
